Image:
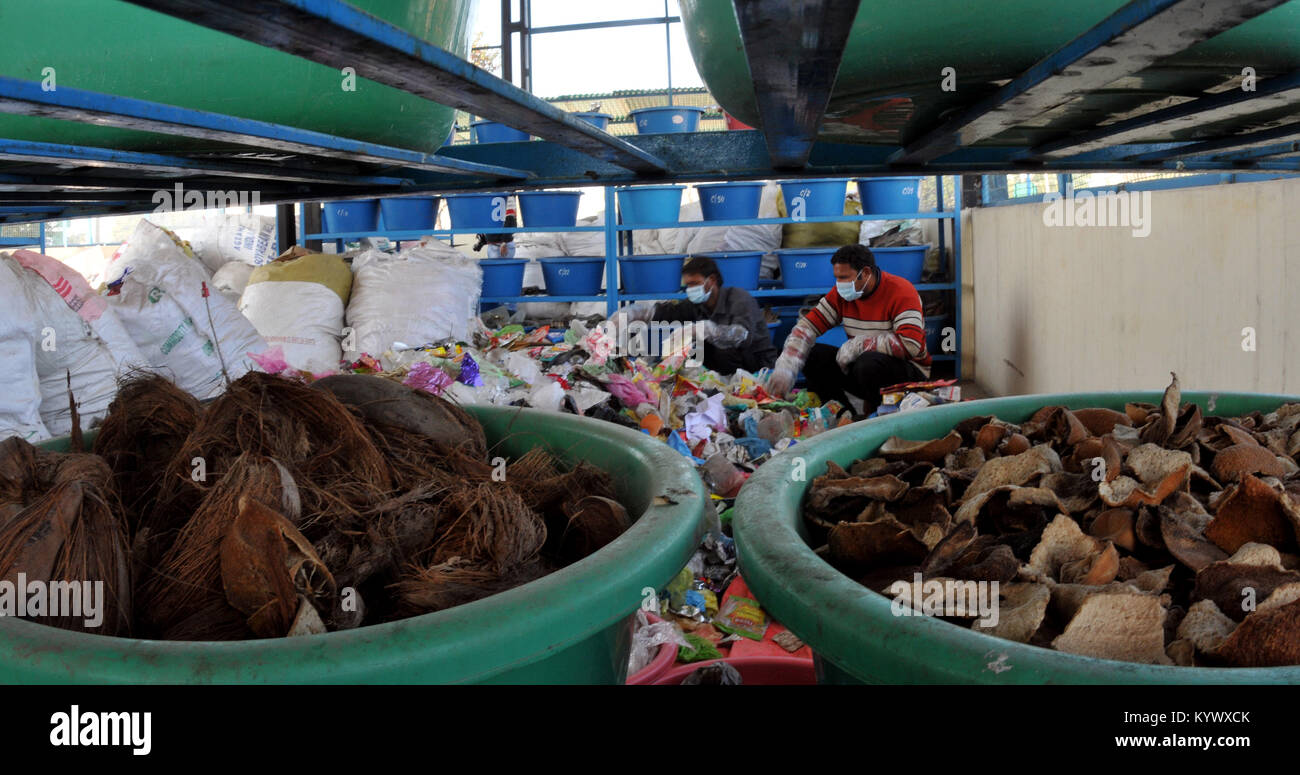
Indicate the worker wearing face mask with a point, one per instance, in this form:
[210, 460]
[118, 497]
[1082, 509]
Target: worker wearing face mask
[737, 336]
[880, 312]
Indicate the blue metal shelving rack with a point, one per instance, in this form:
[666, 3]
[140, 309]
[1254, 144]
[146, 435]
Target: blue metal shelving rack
[794, 53]
[614, 296]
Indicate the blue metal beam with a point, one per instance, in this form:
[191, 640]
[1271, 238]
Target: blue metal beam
[334, 33]
[1275, 92]
[1267, 137]
[604, 25]
[1131, 39]
[794, 48]
[87, 156]
[1276, 151]
[88, 107]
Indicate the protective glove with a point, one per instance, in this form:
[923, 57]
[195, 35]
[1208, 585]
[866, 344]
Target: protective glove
[642, 310]
[850, 350]
[725, 336]
[781, 379]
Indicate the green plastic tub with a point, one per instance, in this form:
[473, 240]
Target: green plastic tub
[571, 627]
[852, 630]
[122, 49]
[888, 87]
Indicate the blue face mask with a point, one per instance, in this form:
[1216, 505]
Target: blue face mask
[696, 294]
[848, 289]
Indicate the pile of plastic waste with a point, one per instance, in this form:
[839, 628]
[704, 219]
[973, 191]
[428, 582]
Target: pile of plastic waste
[726, 425]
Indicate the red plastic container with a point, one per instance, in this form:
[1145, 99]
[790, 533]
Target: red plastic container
[754, 671]
[664, 659]
[734, 124]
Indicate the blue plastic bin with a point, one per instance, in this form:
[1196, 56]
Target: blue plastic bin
[492, 132]
[666, 119]
[540, 209]
[834, 337]
[814, 197]
[730, 201]
[890, 195]
[934, 327]
[650, 204]
[739, 268]
[598, 120]
[907, 262]
[807, 267]
[350, 216]
[477, 211]
[411, 213]
[652, 274]
[503, 277]
[573, 275]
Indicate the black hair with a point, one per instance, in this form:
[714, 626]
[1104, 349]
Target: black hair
[857, 256]
[703, 266]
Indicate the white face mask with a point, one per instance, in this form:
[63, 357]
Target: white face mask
[848, 289]
[696, 294]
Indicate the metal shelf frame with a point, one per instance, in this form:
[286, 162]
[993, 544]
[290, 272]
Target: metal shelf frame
[792, 69]
[616, 246]
[793, 50]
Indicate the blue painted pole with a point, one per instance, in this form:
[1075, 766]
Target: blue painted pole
[611, 252]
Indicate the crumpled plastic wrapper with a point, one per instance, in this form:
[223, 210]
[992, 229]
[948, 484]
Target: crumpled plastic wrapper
[423, 376]
[599, 344]
[272, 361]
[647, 637]
[469, 372]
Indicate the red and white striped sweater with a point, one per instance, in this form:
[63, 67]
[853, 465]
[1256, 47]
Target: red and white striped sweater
[891, 313]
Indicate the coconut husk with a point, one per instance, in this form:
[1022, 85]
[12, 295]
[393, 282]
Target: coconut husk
[864, 545]
[1182, 533]
[971, 427]
[1251, 511]
[267, 567]
[985, 560]
[1014, 469]
[391, 403]
[1062, 545]
[390, 536]
[147, 422]
[17, 469]
[1238, 460]
[1100, 422]
[897, 448]
[74, 532]
[1225, 581]
[594, 523]
[1117, 624]
[184, 598]
[539, 478]
[1268, 638]
[458, 581]
[825, 492]
[1021, 611]
[489, 526]
[339, 470]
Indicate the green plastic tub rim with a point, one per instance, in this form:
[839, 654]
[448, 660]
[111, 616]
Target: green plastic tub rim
[509, 637]
[852, 629]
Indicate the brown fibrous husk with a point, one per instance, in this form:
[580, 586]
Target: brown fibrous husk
[73, 532]
[184, 599]
[147, 422]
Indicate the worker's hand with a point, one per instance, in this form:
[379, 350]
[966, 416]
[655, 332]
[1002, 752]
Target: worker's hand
[781, 379]
[726, 336]
[642, 310]
[850, 350]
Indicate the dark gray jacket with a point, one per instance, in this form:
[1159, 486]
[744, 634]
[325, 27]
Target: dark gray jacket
[735, 305]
